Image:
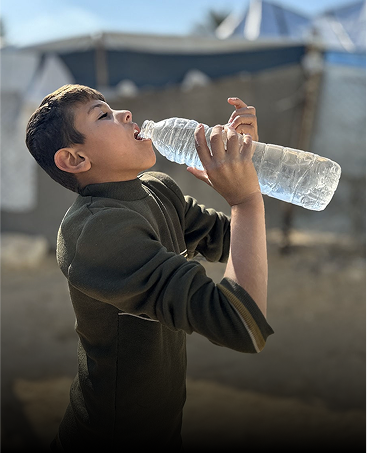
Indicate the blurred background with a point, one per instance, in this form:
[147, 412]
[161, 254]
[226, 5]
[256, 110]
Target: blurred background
[302, 64]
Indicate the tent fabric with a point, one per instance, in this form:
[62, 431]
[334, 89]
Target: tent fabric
[148, 69]
[108, 59]
[264, 19]
[357, 60]
[18, 170]
[341, 28]
[26, 79]
[151, 43]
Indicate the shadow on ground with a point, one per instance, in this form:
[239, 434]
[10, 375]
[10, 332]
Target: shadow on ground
[306, 388]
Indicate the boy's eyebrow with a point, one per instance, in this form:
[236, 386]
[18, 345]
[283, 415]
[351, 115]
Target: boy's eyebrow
[94, 106]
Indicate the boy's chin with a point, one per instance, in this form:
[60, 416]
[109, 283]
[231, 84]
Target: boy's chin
[153, 161]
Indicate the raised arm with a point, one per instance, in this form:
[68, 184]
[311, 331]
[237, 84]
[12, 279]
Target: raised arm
[232, 174]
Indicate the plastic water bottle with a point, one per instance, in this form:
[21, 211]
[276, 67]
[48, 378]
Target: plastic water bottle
[299, 177]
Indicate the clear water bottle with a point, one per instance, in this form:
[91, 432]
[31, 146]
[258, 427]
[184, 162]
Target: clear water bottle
[299, 177]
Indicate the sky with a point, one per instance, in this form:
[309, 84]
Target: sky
[33, 21]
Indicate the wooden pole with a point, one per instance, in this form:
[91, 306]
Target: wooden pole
[313, 64]
[101, 63]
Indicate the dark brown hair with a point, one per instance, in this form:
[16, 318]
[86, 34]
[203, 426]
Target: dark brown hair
[51, 127]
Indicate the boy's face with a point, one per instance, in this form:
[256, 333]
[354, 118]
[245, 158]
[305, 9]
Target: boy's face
[111, 143]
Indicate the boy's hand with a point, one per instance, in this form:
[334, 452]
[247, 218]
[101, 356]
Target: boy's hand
[243, 119]
[229, 171]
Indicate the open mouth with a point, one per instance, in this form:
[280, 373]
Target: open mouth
[137, 135]
[137, 132]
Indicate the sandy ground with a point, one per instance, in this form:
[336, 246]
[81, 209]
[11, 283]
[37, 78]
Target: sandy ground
[306, 389]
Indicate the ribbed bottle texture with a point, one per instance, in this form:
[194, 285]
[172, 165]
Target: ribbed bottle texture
[299, 177]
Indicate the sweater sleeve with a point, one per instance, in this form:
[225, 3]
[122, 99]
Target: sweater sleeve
[119, 260]
[206, 231]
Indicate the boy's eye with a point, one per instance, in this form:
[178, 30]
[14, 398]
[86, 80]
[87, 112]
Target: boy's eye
[103, 116]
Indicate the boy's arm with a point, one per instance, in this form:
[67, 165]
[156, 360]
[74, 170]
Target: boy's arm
[247, 263]
[207, 231]
[120, 260]
[231, 173]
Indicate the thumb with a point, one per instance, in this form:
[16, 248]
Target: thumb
[199, 174]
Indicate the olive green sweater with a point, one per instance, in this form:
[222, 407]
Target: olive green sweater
[125, 250]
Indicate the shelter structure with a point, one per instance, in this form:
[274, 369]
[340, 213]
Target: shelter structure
[107, 60]
[264, 20]
[340, 28]
[336, 68]
[266, 50]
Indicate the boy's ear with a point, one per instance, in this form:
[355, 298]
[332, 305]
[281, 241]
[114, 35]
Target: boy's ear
[71, 161]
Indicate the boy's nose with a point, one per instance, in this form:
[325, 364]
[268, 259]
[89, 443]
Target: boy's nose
[125, 116]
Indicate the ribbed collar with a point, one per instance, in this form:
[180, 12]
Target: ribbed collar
[122, 190]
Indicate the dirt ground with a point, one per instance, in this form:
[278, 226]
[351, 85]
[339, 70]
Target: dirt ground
[306, 389]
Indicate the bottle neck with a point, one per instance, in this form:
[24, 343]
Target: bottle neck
[147, 129]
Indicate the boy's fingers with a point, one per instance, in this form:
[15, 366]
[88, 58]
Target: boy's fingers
[199, 174]
[241, 108]
[216, 141]
[243, 111]
[244, 126]
[201, 144]
[236, 102]
[233, 141]
[243, 119]
[245, 123]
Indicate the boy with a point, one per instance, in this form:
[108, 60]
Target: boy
[124, 247]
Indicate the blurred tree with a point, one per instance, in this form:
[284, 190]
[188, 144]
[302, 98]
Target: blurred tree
[210, 23]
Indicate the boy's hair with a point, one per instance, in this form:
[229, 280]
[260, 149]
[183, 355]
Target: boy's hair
[51, 127]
